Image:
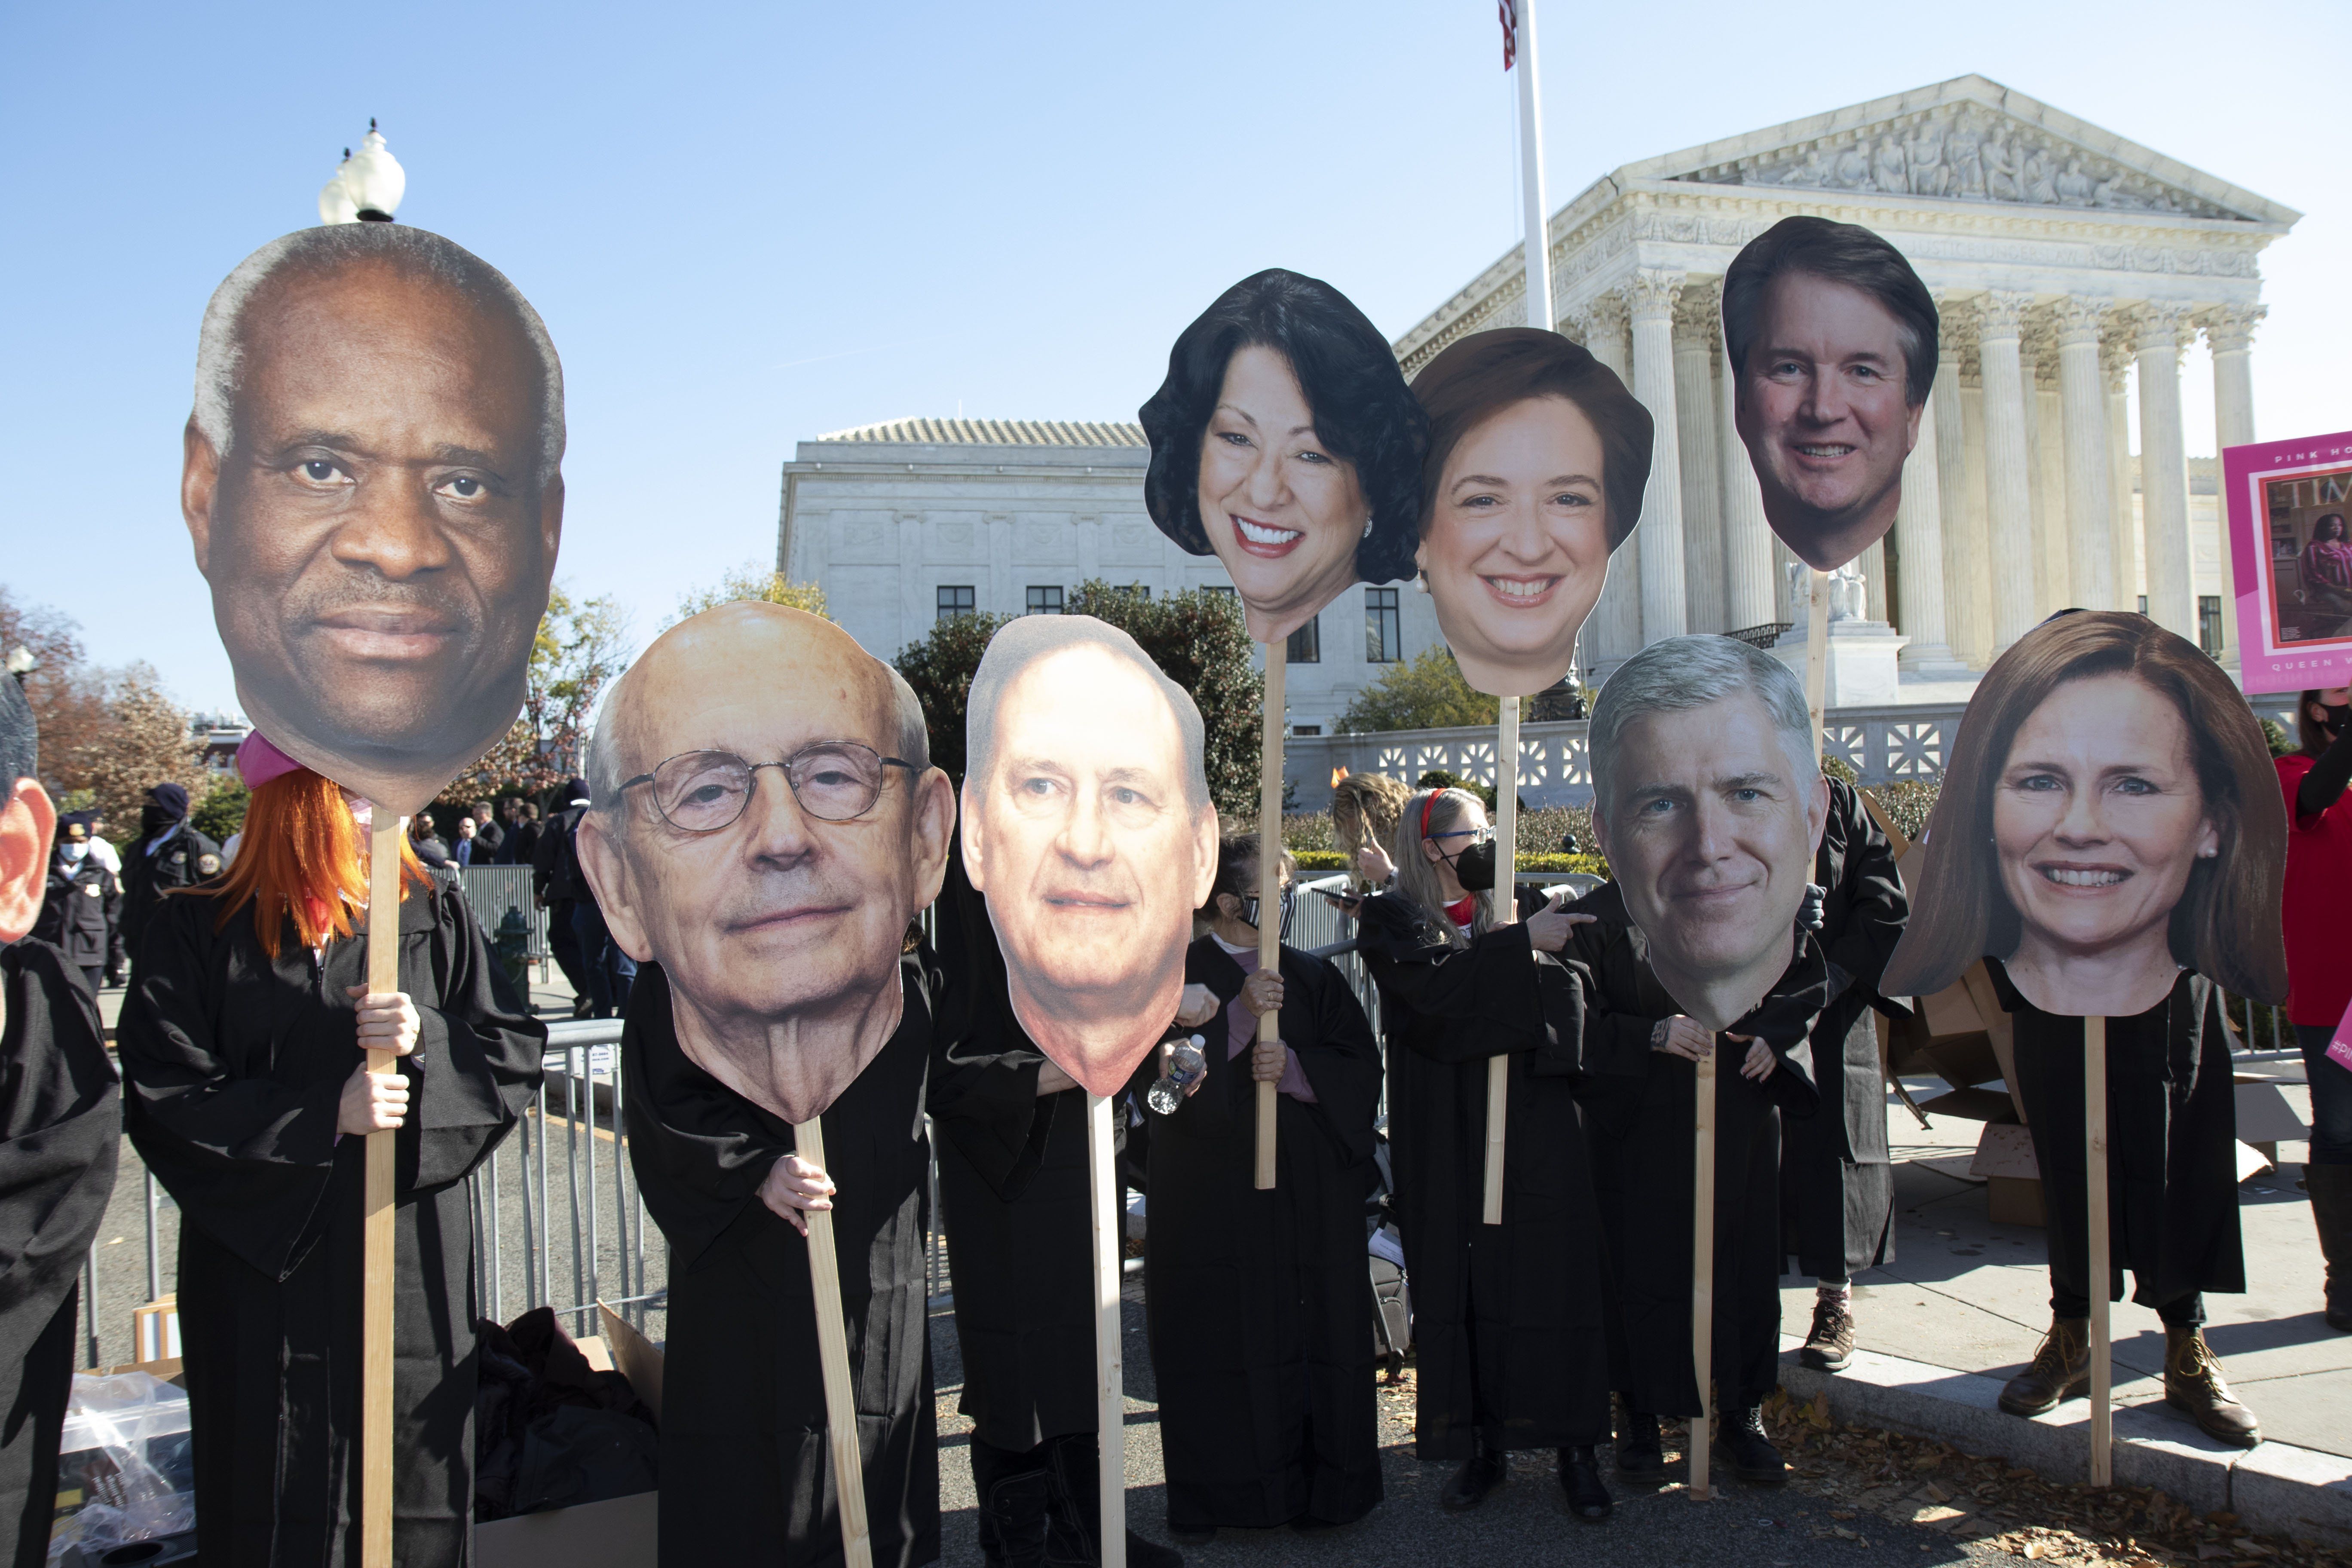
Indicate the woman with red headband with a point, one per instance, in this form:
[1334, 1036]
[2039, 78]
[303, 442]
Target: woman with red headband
[246, 1093]
[1457, 989]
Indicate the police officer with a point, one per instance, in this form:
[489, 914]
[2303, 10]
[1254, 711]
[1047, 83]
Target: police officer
[169, 853]
[82, 908]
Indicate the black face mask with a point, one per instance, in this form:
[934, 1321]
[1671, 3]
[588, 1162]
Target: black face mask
[1290, 901]
[2339, 718]
[1474, 868]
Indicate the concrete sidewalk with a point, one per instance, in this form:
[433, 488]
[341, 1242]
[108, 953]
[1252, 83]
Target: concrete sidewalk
[1966, 1302]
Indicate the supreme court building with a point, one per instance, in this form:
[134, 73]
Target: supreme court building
[2063, 259]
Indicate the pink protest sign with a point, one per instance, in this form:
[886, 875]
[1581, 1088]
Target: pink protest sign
[2290, 510]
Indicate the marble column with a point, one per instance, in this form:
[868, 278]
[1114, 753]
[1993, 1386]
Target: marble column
[2008, 481]
[1968, 613]
[1660, 536]
[2049, 483]
[1696, 328]
[2115, 361]
[2027, 374]
[2229, 333]
[1613, 633]
[1872, 563]
[2090, 510]
[2164, 471]
[1920, 610]
[1750, 596]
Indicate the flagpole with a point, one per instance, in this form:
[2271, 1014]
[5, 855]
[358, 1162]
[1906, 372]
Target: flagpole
[1532, 170]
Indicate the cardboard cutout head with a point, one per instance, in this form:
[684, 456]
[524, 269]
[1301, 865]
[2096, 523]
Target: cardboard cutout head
[1538, 456]
[2109, 814]
[1087, 827]
[1709, 802]
[371, 484]
[1284, 443]
[1833, 339]
[28, 822]
[766, 823]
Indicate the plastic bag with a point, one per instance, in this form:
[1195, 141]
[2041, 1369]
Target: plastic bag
[125, 1455]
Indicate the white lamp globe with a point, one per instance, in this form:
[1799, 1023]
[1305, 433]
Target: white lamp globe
[375, 179]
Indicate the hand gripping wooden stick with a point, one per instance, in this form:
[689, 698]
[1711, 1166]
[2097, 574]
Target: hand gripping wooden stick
[1702, 1271]
[1110, 1391]
[2094, 1106]
[1269, 886]
[377, 1241]
[1507, 910]
[832, 1357]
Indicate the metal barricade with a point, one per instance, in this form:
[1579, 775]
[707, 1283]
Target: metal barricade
[491, 890]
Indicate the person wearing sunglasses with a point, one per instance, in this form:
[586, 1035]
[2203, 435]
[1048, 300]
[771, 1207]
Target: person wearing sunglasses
[1267, 1419]
[765, 825]
[1457, 989]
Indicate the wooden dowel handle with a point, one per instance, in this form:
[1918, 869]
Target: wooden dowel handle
[2094, 1106]
[1703, 1272]
[1110, 1391]
[377, 1237]
[1506, 911]
[1269, 885]
[833, 1359]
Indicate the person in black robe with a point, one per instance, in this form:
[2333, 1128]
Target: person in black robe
[1010, 1131]
[1508, 1319]
[1837, 1179]
[169, 853]
[2172, 1190]
[61, 1130]
[746, 1472]
[242, 1069]
[1641, 1125]
[1259, 1302]
[81, 910]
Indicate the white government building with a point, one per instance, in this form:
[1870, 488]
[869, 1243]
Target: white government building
[2064, 261]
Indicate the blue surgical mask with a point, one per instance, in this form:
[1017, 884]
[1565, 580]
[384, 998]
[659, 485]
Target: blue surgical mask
[73, 852]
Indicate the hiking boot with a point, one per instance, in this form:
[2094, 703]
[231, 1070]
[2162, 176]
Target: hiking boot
[1831, 1344]
[1741, 1440]
[1480, 1474]
[1639, 1453]
[1013, 1522]
[2193, 1383]
[2061, 1370]
[1580, 1478]
[2331, 1211]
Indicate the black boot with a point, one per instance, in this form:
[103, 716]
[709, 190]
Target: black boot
[1580, 1478]
[1751, 1454]
[1639, 1453]
[2331, 1212]
[1076, 1521]
[1013, 1522]
[1480, 1474]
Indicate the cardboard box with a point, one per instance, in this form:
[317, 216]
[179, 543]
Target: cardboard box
[619, 1533]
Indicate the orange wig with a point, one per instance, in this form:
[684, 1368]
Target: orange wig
[302, 856]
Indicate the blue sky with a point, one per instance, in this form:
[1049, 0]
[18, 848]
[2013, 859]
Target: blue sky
[747, 224]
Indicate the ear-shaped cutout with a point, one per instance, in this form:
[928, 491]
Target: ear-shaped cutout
[29, 826]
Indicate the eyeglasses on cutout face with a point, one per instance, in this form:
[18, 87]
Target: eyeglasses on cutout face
[702, 792]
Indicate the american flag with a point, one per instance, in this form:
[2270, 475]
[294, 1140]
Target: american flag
[1509, 11]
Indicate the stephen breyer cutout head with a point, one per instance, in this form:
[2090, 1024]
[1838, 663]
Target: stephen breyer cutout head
[766, 822]
[372, 483]
[1283, 441]
[2109, 816]
[1833, 339]
[1709, 803]
[1538, 456]
[1088, 825]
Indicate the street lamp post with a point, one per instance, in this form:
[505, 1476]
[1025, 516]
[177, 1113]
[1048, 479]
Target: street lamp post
[367, 186]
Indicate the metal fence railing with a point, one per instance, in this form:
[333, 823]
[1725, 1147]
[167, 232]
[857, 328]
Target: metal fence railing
[491, 890]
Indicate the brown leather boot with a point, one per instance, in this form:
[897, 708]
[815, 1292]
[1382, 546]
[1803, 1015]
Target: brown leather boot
[2061, 1370]
[2331, 1212]
[2193, 1383]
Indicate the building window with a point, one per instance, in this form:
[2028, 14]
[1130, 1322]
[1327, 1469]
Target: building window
[2209, 624]
[1307, 643]
[2143, 604]
[956, 602]
[1307, 729]
[1045, 602]
[1137, 589]
[1383, 637]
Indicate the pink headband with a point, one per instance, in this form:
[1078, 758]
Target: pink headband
[258, 760]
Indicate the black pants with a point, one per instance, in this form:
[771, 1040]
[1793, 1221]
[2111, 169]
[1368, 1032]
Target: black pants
[564, 944]
[92, 975]
[610, 971]
[2069, 1296]
[1042, 1505]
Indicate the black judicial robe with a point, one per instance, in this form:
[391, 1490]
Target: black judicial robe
[60, 1132]
[235, 1065]
[1837, 1181]
[1260, 1303]
[746, 1475]
[1643, 1125]
[2172, 1134]
[1507, 1320]
[1014, 1198]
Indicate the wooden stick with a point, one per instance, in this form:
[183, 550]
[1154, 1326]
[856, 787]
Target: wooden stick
[2095, 1105]
[1817, 651]
[377, 1238]
[1507, 910]
[1702, 1271]
[1110, 1390]
[1269, 886]
[833, 1359]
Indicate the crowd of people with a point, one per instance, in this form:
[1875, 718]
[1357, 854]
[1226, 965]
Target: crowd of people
[1566, 1328]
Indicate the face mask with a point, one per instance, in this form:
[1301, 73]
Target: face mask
[1474, 868]
[1290, 901]
[73, 852]
[2339, 716]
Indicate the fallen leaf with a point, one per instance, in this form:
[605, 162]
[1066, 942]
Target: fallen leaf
[1840, 1513]
[2033, 1551]
[1939, 1494]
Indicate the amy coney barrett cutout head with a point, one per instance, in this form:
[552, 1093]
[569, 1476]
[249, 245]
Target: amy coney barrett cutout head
[372, 483]
[1284, 442]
